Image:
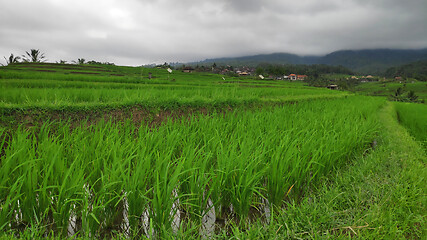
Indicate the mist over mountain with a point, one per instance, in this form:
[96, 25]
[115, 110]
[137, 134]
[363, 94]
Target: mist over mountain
[373, 61]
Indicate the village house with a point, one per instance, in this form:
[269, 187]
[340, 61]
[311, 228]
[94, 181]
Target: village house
[301, 77]
[296, 77]
[244, 73]
[188, 69]
[332, 87]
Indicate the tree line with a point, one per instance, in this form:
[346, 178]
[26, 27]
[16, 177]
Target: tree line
[314, 70]
[36, 56]
[417, 70]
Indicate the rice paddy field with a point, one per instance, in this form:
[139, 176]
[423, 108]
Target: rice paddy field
[105, 152]
[414, 118]
[389, 88]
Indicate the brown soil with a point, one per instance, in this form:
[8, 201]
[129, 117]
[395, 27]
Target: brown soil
[33, 119]
[136, 114]
[73, 68]
[94, 73]
[45, 70]
[255, 86]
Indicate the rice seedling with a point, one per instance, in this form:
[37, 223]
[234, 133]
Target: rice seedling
[414, 118]
[118, 178]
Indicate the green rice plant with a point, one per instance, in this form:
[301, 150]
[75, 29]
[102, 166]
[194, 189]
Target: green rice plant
[414, 118]
[138, 183]
[111, 177]
[163, 209]
[278, 183]
[245, 186]
[164, 198]
[69, 194]
[27, 203]
[105, 176]
[224, 170]
[196, 184]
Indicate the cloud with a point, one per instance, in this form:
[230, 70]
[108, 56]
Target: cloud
[136, 32]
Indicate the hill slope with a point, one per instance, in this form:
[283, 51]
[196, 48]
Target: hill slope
[375, 61]
[416, 70]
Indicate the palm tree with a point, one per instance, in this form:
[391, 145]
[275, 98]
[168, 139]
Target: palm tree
[412, 97]
[12, 59]
[80, 61]
[34, 56]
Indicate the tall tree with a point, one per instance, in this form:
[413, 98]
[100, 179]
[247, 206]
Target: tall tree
[12, 59]
[34, 55]
[80, 61]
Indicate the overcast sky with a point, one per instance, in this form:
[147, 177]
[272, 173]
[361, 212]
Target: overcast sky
[135, 32]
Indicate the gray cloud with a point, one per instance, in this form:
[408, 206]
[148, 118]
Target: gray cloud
[136, 32]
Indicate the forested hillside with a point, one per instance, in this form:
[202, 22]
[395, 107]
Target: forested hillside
[375, 61]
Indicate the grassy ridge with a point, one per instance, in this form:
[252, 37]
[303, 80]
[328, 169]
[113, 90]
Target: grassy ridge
[235, 161]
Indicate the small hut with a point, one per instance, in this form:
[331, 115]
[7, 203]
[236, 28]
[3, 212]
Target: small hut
[332, 87]
[188, 69]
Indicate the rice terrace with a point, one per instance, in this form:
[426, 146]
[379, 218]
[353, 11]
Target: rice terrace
[99, 151]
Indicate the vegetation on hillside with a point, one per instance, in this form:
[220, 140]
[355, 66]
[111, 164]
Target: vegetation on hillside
[374, 61]
[310, 70]
[403, 91]
[416, 70]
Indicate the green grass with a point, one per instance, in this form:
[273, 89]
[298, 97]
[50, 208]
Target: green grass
[414, 118]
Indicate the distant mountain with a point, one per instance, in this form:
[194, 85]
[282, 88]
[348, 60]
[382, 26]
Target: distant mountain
[375, 61]
[274, 58]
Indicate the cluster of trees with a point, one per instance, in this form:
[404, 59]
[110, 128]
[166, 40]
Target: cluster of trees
[277, 70]
[36, 56]
[315, 70]
[401, 95]
[325, 80]
[417, 70]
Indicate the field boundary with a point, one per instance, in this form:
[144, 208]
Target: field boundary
[151, 115]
